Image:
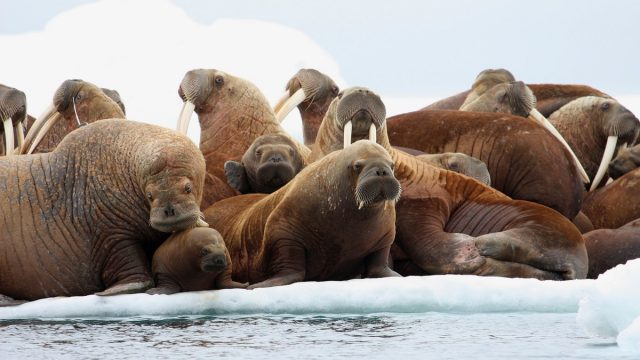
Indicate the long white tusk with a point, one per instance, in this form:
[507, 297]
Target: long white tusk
[609, 181]
[609, 149]
[290, 104]
[539, 118]
[20, 134]
[35, 127]
[43, 132]
[372, 133]
[185, 117]
[347, 134]
[8, 136]
[281, 101]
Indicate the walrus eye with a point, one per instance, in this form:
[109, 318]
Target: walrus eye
[219, 80]
[357, 166]
[335, 90]
[340, 95]
[78, 97]
[204, 252]
[290, 152]
[258, 153]
[187, 188]
[149, 196]
[605, 106]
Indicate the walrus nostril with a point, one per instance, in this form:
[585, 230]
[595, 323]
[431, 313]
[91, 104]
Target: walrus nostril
[382, 172]
[276, 158]
[220, 261]
[169, 211]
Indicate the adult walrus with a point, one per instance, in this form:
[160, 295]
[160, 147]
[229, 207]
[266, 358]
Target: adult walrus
[611, 247]
[232, 113]
[14, 118]
[75, 103]
[450, 224]
[78, 220]
[333, 221]
[192, 260]
[270, 163]
[460, 163]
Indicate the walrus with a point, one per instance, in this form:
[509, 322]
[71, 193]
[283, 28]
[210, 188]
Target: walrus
[84, 218]
[115, 96]
[14, 118]
[608, 248]
[333, 221]
[460, 163]
[615, 204]
[270, 163]
[524, 161]
[450, 224]
[75, 103]
[312, 92]
[627, 159]
[595, 127]
[232, 113]
[486, 80]
[192, 260]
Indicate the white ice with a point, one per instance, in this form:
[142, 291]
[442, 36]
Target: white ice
[612, 308]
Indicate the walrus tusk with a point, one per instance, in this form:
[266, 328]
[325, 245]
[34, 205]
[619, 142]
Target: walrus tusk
[20, 134]
[535, 115]
[609, 181]
[281, 101]
[43, 132]
[8, 136]
[185, 117]
[609, 149]
[35, 127]
[201, 223]
[372, 133]
[283, 110]
[347, 134]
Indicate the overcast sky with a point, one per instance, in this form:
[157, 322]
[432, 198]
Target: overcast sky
[430, 48]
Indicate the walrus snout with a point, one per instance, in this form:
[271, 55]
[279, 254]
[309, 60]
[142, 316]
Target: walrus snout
[362, 107]
[376, 184]
[275, 173]
[213, 262]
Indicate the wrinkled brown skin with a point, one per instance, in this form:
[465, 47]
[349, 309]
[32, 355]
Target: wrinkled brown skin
[87, 216]
[615, 204]
[92, 104]
[270, 163]
[13, 104]
[320, 90]
[524, 160]
[232, 113]
[192, 260]
[510, 98]
[608, 248]
[310, 229]
[587, 122]
[451, 224]
[549, 97]
[625, 161]
[460, 163]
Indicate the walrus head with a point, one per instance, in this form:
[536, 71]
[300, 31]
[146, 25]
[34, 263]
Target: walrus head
[173, 187]
[270, 163]
[371, 170]
[627, 159]
[460, 163]
[359, 113]
[207, 246]
[510, 97]
[78, 103]
[13, 114]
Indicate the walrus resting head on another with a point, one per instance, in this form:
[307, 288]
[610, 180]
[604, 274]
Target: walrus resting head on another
[270, 163]
[86, 217]
[77, 103]
[312, 92]
[460, 163]
[333, 221]
[192, 260]
[628, 159]
[512, 98]
[486, 80]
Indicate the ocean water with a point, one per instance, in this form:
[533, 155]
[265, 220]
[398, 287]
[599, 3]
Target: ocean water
[373, 336]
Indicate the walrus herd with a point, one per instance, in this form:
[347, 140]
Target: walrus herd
[505, 179]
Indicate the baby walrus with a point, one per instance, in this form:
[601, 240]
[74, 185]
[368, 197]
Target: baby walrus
[192, 260]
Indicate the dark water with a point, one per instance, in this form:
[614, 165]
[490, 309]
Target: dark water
[381, 336]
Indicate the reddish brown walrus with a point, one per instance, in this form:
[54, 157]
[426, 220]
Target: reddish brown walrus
[192, 260]
[615, 204]
[610, 247]
[524, 160]
[451, 224]
[75, 103]
[333, 221]
[232, 114]
[79, 219]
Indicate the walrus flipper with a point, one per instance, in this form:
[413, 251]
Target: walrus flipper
[7, 301]
[237, 176]
[127, 288]
[287, 265]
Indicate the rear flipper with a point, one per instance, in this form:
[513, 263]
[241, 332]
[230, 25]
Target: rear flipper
[7, 301]
[127, 288]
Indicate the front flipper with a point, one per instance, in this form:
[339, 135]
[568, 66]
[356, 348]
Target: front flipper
[7, 301]
[237, 176]
[127, 288]
[377, 263]
[287, 264]
[125, 269]
[165, 285]
[224, 281]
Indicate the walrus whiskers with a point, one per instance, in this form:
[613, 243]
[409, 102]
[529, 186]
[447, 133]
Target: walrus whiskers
[75, 111]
